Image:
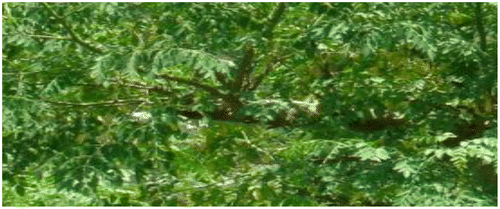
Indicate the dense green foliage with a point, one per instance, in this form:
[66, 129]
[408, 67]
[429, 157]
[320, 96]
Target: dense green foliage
[249, 104]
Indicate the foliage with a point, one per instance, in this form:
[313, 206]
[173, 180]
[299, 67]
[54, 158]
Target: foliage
[249, 104]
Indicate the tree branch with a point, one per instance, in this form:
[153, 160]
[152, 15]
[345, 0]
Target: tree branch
[49, 37]
[72, 33]
[21, 73]
[480, 25]
[244, 69]
[207, 88]
[106, 103]
[270, 66]
[137, 85]
[274, 19]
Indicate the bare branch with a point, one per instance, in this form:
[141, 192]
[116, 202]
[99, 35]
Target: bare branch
[72, 33]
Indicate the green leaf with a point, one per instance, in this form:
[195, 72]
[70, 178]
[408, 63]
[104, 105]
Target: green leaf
[404, 168]
[372, 154]
[20, 190]
[52, 88]
[445, 136]
[382, 154]
[439, 153]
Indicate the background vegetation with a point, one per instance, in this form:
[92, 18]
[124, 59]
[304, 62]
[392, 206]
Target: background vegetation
[249, 104]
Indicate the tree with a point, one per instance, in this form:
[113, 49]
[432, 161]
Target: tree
[290, 103]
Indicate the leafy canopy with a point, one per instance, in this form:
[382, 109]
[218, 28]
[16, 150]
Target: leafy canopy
[249, 104]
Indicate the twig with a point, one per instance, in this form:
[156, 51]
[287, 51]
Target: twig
[72, 33]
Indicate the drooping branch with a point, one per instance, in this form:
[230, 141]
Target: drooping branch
[72, 33]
